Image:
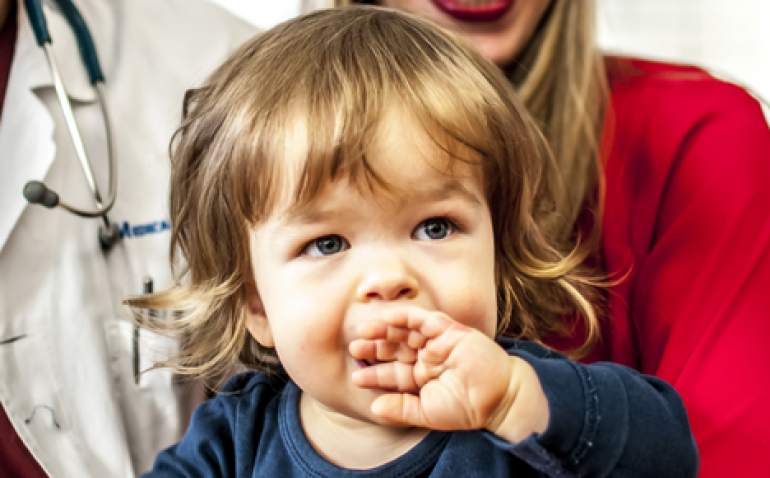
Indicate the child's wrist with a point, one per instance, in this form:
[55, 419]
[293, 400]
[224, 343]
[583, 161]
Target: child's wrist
[524, 409]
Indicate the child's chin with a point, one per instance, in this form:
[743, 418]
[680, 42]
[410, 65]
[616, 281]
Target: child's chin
[365, 407]
[381, 422]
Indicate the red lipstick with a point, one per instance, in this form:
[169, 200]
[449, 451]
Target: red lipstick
[488, 12]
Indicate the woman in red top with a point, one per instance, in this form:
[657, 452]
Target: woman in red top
[676, 165]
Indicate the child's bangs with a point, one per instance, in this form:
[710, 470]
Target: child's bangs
[337, 139]
[317, 115]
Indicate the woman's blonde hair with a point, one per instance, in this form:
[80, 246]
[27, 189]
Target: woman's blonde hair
[561, 77]
[337, 72]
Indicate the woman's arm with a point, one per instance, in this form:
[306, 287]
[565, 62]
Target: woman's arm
[689, 195]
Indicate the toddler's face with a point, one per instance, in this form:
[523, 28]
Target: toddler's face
[352, 254]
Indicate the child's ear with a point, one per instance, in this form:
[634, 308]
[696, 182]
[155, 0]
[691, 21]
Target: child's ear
[256, 319]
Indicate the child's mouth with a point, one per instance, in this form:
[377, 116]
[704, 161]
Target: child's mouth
[368, 363]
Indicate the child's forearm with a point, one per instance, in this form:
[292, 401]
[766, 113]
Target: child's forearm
[606, 419]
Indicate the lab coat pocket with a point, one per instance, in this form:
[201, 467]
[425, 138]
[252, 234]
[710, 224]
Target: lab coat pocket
[149, 401]
[134, 351]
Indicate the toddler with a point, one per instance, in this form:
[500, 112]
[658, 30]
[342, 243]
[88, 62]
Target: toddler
[362, 205]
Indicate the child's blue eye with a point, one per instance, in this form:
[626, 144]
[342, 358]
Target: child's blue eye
[326, 246]
[434, 229]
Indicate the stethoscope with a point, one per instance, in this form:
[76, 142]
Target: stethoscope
[35, 191]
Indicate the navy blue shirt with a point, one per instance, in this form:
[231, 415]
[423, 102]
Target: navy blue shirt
[606, 420]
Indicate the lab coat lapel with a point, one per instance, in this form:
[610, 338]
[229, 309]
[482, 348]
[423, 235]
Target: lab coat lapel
[27, 148]
[26, 128]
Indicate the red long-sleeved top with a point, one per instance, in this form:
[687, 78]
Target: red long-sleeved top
[688, 213]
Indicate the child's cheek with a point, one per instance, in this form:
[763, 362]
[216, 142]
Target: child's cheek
[477, 310]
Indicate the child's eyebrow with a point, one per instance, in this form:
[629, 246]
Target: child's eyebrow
[309, 214]
[444, 190]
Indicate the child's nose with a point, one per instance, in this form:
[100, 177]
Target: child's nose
[387, 279]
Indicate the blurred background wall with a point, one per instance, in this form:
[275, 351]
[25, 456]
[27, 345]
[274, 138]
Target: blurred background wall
[731, 38]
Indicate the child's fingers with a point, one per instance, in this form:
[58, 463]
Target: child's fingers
[381, 350]
[416, 340]
[429, 324]
[389, 376]
[379, 330]
[408, 318]
[437, 350]
[400, 408]
[434, 334]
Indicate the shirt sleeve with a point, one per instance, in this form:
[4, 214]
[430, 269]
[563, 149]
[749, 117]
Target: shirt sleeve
[206, 449]
[605, 420]
[212, 446]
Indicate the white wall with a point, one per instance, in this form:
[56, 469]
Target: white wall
[263, 13]
[729, 37]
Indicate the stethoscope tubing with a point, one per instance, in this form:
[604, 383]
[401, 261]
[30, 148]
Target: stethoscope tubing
[77, 142]
[96, 77]
[79, 28]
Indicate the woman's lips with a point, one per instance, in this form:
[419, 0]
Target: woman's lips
[488, 12]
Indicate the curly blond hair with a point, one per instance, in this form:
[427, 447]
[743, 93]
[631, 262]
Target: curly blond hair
[339, 70]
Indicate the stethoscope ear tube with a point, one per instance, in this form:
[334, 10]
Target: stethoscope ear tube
[37, 21]
[35, 191]
[80, 29]
[84, 39]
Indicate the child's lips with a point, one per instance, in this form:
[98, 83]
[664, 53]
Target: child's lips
[368, 363]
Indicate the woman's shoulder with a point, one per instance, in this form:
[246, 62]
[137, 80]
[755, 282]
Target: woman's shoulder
[650, 82]
[655, 106]
[624, 69]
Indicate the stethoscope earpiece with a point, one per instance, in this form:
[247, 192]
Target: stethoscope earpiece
[38, 193]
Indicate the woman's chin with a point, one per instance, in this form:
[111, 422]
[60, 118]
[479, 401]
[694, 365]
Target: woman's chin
[492, 49]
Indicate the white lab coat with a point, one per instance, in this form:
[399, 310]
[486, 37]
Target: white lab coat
[67, 381]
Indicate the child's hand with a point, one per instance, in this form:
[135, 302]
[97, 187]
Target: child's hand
[447, 376]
